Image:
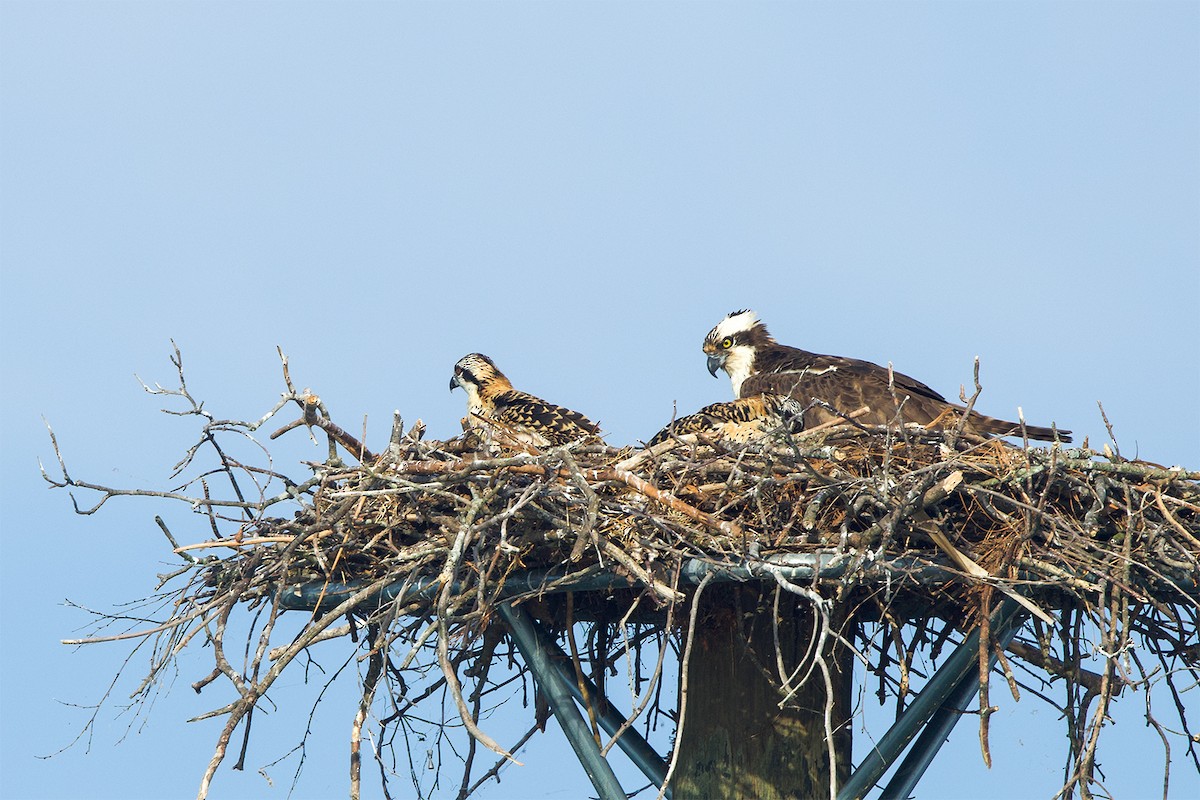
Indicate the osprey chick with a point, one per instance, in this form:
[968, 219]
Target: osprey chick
[738, 421]
[741, 345]
[501, 413]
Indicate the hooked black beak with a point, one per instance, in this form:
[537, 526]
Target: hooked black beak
[714, 364]
[453, 382]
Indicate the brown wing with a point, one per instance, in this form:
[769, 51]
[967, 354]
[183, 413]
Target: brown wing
[555, 424]
[781, 359]
[847, 384]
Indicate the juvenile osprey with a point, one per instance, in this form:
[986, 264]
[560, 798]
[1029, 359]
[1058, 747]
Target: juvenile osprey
[756, 363]
[739, 421]
[500, 412]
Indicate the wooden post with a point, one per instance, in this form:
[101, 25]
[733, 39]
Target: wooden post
[736, 740]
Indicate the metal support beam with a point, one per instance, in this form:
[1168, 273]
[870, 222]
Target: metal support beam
[937, 731]
[321, 595]
[635, 746]
[940, 704]
[558, 692]
[938, 707]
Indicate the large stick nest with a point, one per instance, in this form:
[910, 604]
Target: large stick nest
[1101, 550]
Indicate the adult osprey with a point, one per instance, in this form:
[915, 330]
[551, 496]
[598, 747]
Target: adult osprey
[756, 363]
[504, 415]
[738, 421]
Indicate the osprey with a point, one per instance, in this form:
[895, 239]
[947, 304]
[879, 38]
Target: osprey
[502, 413]
[738, 421]
[756, 363]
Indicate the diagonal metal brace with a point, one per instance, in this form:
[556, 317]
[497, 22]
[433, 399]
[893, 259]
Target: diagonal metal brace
[640, 752]
[558, 692]
[940, 704]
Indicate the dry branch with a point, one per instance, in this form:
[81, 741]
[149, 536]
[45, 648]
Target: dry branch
[430, 537]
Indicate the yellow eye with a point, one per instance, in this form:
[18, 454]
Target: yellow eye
[726, 343]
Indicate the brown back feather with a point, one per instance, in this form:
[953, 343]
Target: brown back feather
[846, 384]
[557, 424]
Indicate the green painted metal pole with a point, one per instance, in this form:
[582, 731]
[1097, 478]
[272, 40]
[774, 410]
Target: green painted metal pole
[793, 566]
[631, 742]
[962, 667]
[943, 721]
[558, 693]
[797, 567]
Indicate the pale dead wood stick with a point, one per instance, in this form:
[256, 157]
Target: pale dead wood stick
[1162, 507]
[655, 677]
[667, 499]
[326, 635]
[446, 579]
[236, 545]
[641, 485]
[149, 631]
[934, 495]
[1054, 666]
[657, 450]
[975, 571]
[684, 663]
[239, 708]
[861, 411]
[1180, 501]
[310, 403]
[666, 593]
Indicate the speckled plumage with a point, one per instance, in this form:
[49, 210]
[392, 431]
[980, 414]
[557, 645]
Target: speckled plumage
[506, 415]
[741, 345]
[740, 420]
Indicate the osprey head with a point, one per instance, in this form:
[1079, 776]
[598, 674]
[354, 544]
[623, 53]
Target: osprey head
[476, 373]
[732, 343]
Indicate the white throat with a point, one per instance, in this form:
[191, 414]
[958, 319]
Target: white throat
[474, 401]
[737, 366]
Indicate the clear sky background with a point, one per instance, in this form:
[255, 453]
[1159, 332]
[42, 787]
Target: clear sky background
[580, 191]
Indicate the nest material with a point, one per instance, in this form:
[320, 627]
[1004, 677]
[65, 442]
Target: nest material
[1104, 550]
[1084, 540]
[1060, 523]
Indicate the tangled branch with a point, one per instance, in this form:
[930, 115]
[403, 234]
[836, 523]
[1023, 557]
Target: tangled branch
[413, 550]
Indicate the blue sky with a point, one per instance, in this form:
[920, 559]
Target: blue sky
[580, 190]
